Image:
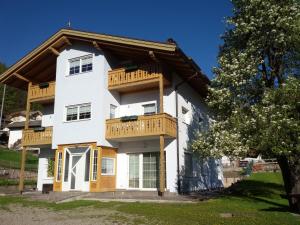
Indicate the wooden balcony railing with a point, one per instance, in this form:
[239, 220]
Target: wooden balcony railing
[32, 137]
[143, 126]
[123, 79]
[42, 92]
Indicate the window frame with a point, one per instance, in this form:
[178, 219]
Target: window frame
[94, 174]
[108, 174]
[80, 58]
[148, 104]
[59, 167]
[78, 112]
[112, 106]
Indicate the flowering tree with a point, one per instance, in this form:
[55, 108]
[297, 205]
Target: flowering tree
[255, 96]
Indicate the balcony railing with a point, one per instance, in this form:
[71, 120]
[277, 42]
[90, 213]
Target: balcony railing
[42, 92]
[33, 137]
[141, 126]
[125, 79]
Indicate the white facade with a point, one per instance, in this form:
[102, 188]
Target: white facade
[14, 136]
[91, 88]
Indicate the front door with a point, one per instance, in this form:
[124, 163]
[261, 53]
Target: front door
[76, 172]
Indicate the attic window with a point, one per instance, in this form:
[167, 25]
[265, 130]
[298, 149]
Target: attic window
[81, 64]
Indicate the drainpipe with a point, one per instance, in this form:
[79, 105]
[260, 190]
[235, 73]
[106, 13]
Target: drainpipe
[177, 127]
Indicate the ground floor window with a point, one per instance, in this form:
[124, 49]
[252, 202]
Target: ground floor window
[95, 165]
[144, 170]
[107, 166]
[59, 166]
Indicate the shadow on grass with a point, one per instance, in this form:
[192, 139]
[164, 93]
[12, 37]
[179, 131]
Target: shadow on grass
[264, 192]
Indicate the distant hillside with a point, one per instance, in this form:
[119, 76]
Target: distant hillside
[15, 99]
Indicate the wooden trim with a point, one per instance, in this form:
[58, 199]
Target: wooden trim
[64, 33]
[32, 138]
[152, 125]
[21, 77]
[54, 51]
[37, 94]
[96, 46]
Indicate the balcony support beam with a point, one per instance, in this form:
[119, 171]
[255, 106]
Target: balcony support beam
[24, 149]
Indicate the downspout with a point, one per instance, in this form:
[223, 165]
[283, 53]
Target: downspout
[177, 127]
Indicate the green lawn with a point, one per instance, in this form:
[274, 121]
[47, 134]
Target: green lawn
[12, 159]
[255, 200]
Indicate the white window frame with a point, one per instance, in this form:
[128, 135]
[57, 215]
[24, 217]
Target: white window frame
[109, 174]
[59, 165]
[110, 108]
[78, 112]
[150, 103]
[80, 64]
[94, 178]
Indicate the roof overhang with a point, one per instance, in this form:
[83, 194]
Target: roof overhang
[39, 65]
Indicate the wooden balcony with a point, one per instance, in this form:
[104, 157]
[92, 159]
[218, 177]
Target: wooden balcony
[33, 137]
[142, 126]
[135, 78]
[43, 92]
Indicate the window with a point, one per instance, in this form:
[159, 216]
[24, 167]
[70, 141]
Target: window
[81, 64]
[59, 166]
[112, 113]
[188, 164]
[72, 113]
[66, 177]
[150, 170]
[74, 66]
[87, 166]
[107, 166]
[134, 171]
[78, 112]
[149, 109]
[85, 112]
[185, 115]
[87, 63]
[95, 165]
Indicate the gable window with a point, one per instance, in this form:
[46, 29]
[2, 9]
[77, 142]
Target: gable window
[87, 63]
[112, 113]
[78, 112]
[107, 166]
[81, 64]
[74, 66]
[149, 109]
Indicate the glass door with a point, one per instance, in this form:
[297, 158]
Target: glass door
[150, 170]
[134, 171]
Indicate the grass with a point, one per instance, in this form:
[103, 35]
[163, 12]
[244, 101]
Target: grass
[14, 182]
[11, 159]
[255, 200]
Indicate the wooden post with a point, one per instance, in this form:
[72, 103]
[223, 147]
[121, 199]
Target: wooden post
[161, 140]
[23, 159]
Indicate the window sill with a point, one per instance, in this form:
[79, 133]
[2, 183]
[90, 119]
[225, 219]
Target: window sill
[104, 174]
[71, 121]
[76, 74]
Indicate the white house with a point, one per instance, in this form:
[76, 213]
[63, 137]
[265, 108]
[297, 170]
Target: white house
[16, 126]
[119, 114]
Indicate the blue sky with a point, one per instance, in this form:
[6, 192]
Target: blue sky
[195, 25]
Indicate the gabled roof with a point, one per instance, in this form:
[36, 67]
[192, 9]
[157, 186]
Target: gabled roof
[39, 65]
